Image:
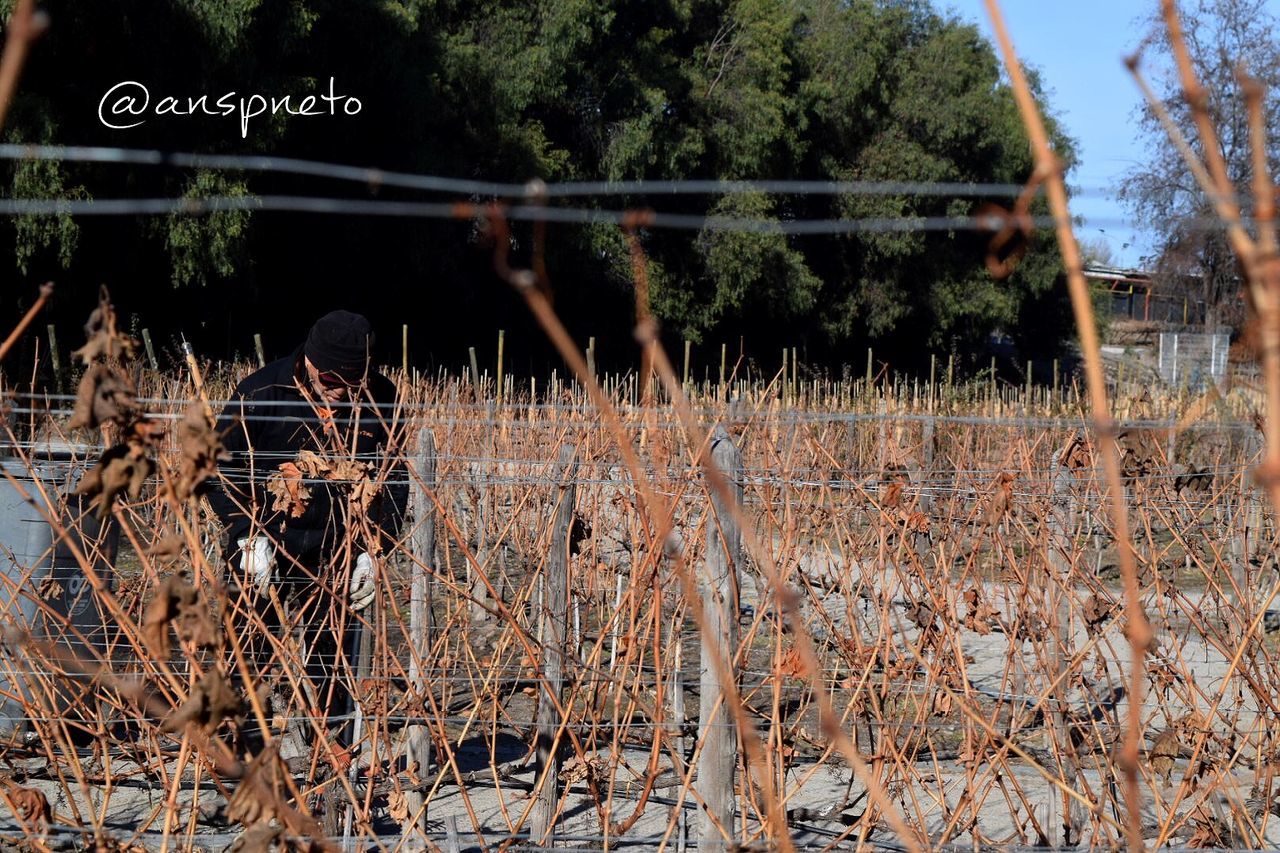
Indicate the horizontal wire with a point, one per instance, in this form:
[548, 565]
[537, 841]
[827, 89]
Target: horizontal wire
[377, 178]
[408, 415]
[443, 210]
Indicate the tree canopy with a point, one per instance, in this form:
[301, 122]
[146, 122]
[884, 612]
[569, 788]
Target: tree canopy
[873, 90]
[1223, 37]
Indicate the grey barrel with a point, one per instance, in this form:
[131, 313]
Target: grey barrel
[44, 590]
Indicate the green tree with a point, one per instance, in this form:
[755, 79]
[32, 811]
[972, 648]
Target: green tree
[561, 90]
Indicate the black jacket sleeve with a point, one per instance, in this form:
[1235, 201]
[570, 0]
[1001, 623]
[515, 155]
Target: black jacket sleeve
[387, 513]
[236, 493]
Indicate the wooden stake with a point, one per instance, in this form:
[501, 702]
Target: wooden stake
[54, 357]
[933, 377]
[677, 726]
[785, 376]
[992, 395]
[484, 499]
[151, 353]
[719, 587]
[724, 354]
[555, 608]
[421, 618]
[257, 348]
[1061, 520]
[501, 342]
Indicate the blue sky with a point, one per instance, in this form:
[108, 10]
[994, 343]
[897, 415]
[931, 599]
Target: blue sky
[1078, 47]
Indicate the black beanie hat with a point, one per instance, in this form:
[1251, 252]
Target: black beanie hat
[339, 343]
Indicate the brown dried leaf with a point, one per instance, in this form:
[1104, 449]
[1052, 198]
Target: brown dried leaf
[923, 615]
[916, 522]
[397, 806]
[291, 494]
[347, 470]
[979, 616]
[102, 339]
[363, 494]
[1077, 455]
[259, 799]
[211, 701]
[789, 665]
[123, 468]
[577, 770]
[1139, 452]
[1001, 499]
[1164, 752]
[193, 623]
[29, 805]
[155, 620]
[1210, 831]
[200, 446]
[355, 475]
[103, 395]
[1097, 612]
[144, 431]
[167, 548]
[312, 465]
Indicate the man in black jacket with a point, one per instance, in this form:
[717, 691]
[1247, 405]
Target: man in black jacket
[313, 494]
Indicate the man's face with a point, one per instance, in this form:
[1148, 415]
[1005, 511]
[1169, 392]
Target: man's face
[329, 387]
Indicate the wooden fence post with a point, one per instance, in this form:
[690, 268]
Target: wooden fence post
[928, 442]
[485, 470]
[452, 843]
[421, 621]
[151, 351]
[724, 352]
[258, 350]
[719, 591]
[677, 728]
[552, 633]
[786, 376]
[55, 357]
[1062, 513]
[882, 440]
[475, 371]
[502, 340]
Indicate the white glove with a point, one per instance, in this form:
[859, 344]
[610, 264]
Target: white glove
[363, 588]
[257, 561]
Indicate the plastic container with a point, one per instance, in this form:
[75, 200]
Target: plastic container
[44, 590]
